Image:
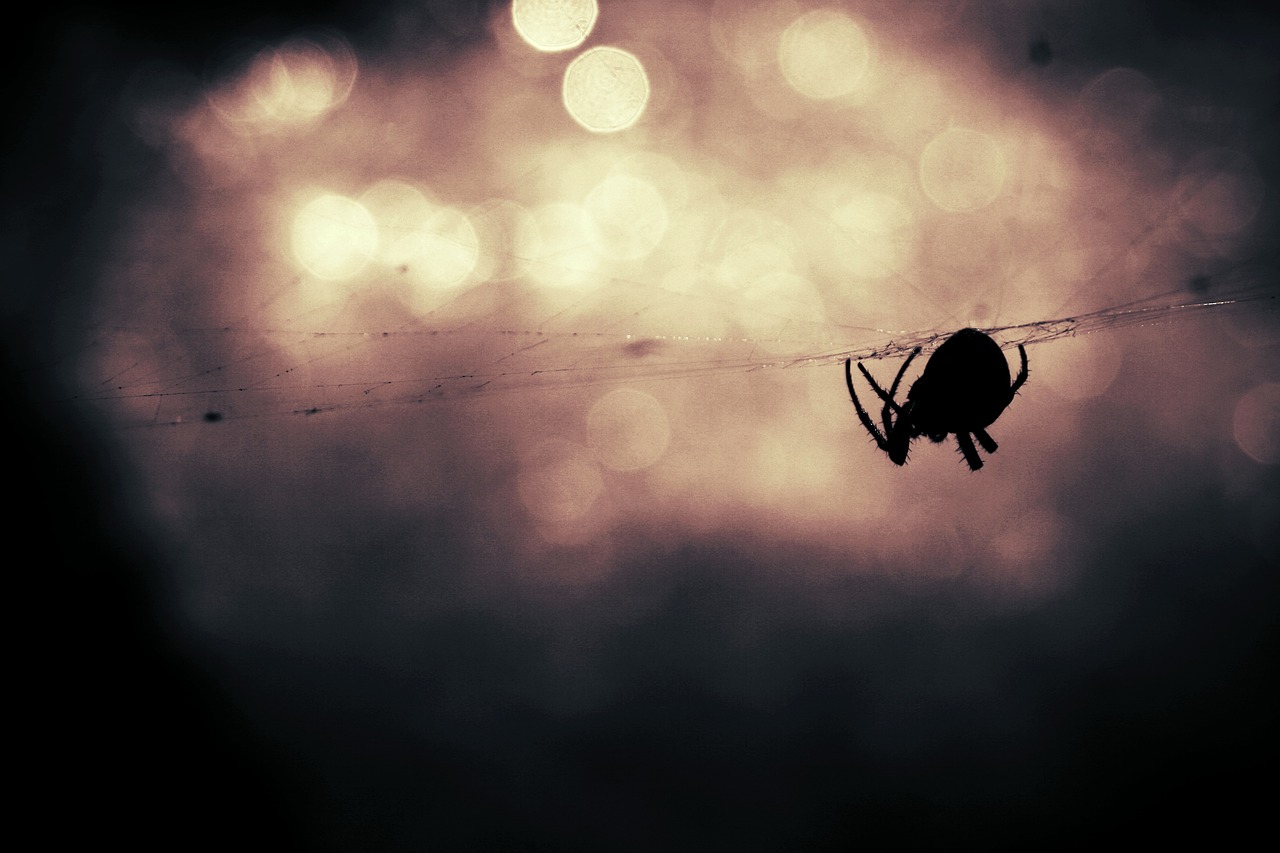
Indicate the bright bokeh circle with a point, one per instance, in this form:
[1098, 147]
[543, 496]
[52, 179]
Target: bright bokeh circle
[334, 236]
[824, 54]
[554, 25]
[605, 89]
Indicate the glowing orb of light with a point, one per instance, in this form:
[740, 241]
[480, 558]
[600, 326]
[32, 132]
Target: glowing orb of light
[764, 299]
[1256, 424]
[433, 245]
[558, 481]
[962, 170]
[445, 249]
[292, 84]
[627, 215]
[554, 25]
[750, 244]
[334, 236]
[824, 54]
[628, 430]
[565, 256]
[399, 208]
[605, 89]
[509, 239]
[877, 231]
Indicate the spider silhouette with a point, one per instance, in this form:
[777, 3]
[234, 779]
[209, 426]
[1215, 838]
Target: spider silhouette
[963, 389]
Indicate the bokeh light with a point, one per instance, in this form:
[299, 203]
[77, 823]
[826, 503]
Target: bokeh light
[508, 239]
[1256, 423]
[824, 54]
[605, 89]
[962, 170]
[628, 217]
[429, 244]
[288, 85]
[1117, 107]
[750, 244]
[566, 257]
[494, 386]
[747, 34]
[1220, 193]
[398, 207]
[554, 25]
[628, 430]
[799, 181]
[876, 235]
[334, 236]
[445, 249]
[559, 480]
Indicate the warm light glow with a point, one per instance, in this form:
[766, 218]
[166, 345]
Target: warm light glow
[747, 34]
[748, 245]
[962, 170]
[877, 231]
[334, 237]
[1219, 194]
[439, 253]
[605, 89]
[565, 257]
[778, 309]
[628, 430]
[558, 481]
[399, 208]
[432, 245]
[628, 217]
[1256, 425]
[824, 54]
[444, 249]
[554, 25]
[292, 84]
[508, 239]
[778, 464]
[1077, 368]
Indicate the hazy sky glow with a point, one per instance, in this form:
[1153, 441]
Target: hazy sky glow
[478, 383]
[810, 180]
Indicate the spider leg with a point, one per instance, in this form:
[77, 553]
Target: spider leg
[988, 443]
[897, 380]
[969, 452]
[1022, 373]
[893, 391]
[888, 396]
[870, 426]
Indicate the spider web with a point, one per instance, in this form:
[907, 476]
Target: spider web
[228, 359]
[472, 360]
[621, 331]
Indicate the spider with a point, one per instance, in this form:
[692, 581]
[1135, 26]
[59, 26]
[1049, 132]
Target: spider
[963, 389]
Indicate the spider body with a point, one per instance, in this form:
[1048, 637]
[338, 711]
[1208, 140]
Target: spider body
[963, 390]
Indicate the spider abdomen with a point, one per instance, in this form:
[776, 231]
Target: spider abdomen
[964, 386]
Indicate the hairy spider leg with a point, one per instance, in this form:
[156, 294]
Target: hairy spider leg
[897, 434]
[887, 396]
[1022, 373]
[969, 451]
[988, 443]
[893, 392]
[880, 440]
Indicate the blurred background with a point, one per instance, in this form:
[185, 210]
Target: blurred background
[429, 420]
